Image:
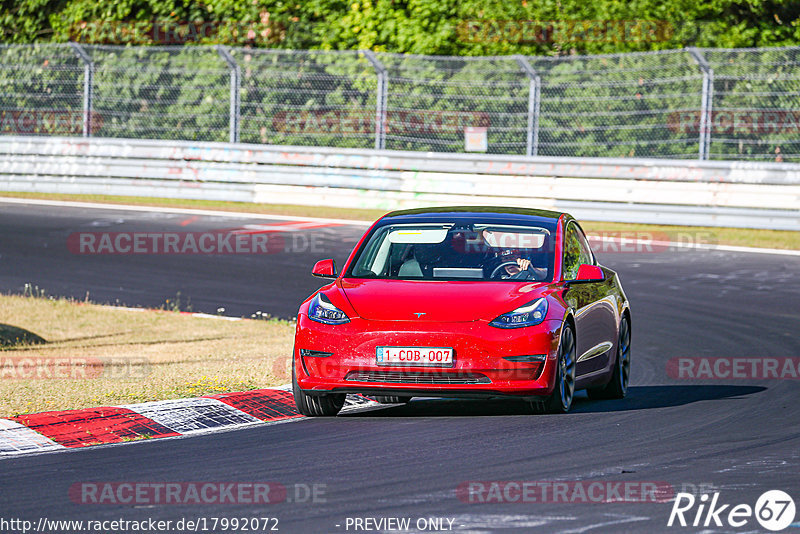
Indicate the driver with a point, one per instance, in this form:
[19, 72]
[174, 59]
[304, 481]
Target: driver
[522, 270]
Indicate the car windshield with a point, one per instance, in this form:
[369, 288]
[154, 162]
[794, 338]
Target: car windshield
[473, 251]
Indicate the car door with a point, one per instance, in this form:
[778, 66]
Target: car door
[594, 305]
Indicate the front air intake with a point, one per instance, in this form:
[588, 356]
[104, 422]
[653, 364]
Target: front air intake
[404, 377]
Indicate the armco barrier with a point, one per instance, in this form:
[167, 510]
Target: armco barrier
[738, 194]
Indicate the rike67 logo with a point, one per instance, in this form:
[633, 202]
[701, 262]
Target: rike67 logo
[774, 510]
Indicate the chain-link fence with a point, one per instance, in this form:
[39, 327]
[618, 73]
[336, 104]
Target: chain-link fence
[692, 103]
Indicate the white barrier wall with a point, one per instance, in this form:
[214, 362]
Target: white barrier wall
[755, 195]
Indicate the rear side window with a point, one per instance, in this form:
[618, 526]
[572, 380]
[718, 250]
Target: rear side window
[576, 251]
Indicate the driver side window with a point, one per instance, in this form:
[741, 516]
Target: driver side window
[576, 251]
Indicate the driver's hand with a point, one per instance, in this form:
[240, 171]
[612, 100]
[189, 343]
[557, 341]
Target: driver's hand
[523, 263]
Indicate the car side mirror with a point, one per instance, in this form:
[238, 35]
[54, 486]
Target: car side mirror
[588, 274]
[324, 269]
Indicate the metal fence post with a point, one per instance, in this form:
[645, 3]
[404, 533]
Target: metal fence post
[235, 107]
[381, 99]
[706, 101]
[88, 84]
[534, 98]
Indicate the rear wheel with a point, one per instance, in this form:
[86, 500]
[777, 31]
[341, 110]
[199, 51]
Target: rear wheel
[391, 399]
[315, 405]
[617, 388]
[560, 400]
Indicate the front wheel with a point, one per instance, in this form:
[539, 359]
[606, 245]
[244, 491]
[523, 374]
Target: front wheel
[617, 388]
[560, 400]
[324, 405]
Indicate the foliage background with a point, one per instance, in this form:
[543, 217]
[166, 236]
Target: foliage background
[590, 105]
[427, 26]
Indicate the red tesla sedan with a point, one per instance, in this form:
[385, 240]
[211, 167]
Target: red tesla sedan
[464, 302]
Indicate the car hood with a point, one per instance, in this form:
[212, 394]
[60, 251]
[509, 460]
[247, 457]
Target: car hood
[437, 300]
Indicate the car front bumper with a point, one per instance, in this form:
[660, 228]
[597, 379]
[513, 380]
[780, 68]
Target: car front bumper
[479, 366]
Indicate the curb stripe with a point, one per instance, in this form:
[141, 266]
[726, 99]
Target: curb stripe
[282, 227]
[94, 426]
[186, 416]
[356, 402]
[263, 404]
[58, 430]
[18, 439]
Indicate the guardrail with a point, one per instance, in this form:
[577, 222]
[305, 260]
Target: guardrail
[691, 192]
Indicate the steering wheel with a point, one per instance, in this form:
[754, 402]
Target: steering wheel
[501, 266]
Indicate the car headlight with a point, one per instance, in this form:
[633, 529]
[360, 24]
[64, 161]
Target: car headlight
[321, 310]
[530, 314]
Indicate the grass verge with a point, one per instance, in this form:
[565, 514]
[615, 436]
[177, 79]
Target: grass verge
[58, 354]
[742, 237]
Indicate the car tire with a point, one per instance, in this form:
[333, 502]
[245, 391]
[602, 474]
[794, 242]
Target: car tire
[560, 400]
[324, 405]
[390, 399]
[617, 388]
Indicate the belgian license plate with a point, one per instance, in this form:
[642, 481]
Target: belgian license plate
[416, 356]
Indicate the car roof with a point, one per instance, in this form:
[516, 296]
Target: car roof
[495, 214]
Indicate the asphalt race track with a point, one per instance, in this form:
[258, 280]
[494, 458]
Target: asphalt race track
[736, 436]
[34, 249]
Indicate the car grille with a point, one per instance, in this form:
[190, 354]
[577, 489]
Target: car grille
[399, 377]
